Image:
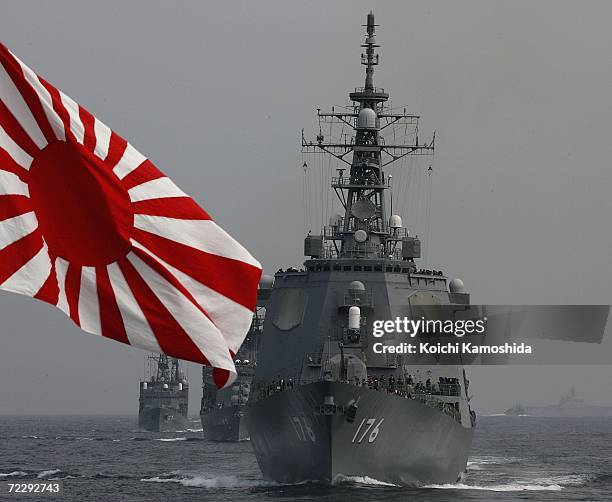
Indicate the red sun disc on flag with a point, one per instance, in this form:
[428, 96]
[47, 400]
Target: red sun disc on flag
[87, 220]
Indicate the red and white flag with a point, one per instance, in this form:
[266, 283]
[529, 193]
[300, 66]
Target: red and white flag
[89, 224]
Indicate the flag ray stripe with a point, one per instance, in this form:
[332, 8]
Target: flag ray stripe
[8, 164]
[72, 288]
[153, 263]
[88, 309]
[136, 326]
[169, 334]
[203, 235]
[103, 135]
[14, 205]
[49, 291]
[59, 109]
[11, 96]
[76, 126]
[143, 173]
[31, 276]
[13, 229]
[221, 377]
[14, 256]
[203, 334]
[129, 161]
[231, 318]
[116, 148]
[111, 323]
[225, 276]
[10, 184]
[16, 132]
[37, 97]
[159, 188]
[18, 154]
[89, 135]
[61, 266]
[184, 208]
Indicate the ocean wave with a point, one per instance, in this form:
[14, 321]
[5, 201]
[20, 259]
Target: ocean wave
[567, 479]
[202, 481]
[31, 437]
[490, 460]
[12, 474]
[510, 487]
[171, 439]
[475, 467]
[46, 474]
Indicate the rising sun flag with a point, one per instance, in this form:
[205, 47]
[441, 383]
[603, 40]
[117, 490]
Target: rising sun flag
[87, 223]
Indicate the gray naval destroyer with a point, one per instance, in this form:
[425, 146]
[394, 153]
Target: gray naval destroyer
[164, 396]
[222, 412]
[323, 403]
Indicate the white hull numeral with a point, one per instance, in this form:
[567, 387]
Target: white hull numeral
[302, 429]
[367, 424]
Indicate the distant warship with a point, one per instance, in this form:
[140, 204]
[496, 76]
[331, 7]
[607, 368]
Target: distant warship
[323, 403]
[223, 411]
[568, 406]
[164, 396]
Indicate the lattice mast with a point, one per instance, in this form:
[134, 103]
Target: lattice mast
[366, 230]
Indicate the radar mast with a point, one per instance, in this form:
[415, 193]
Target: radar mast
[365, 230]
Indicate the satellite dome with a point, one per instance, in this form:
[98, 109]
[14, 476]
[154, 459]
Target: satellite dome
[356, 286]
[367, 119]
[456, 286]
[395, 221]
[266, 282]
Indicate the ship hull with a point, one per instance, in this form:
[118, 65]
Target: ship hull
[160, 419]
[225, 424]
[391, 439]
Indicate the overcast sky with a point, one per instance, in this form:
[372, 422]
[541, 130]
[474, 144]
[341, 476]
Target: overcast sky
[216, 94]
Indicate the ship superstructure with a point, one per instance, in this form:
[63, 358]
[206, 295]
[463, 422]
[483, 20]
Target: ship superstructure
[222, 412]
[323, 403]
[164, 396]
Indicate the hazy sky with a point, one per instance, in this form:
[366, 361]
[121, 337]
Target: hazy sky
[216, 94]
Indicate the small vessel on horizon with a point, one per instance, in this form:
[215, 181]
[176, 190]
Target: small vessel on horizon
[569, 405]
[164, 396]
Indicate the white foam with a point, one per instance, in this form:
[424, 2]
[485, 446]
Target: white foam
[360, 480]
[510, 487]
[206, 481]
[170, 439]
[12, 474]
[474, 467]
[491, 459]
[566, 480]
[45, 474]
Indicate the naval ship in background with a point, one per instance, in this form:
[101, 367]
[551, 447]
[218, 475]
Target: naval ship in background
[323, 404]
[164, 396]
[222, 412]
[568, 406]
